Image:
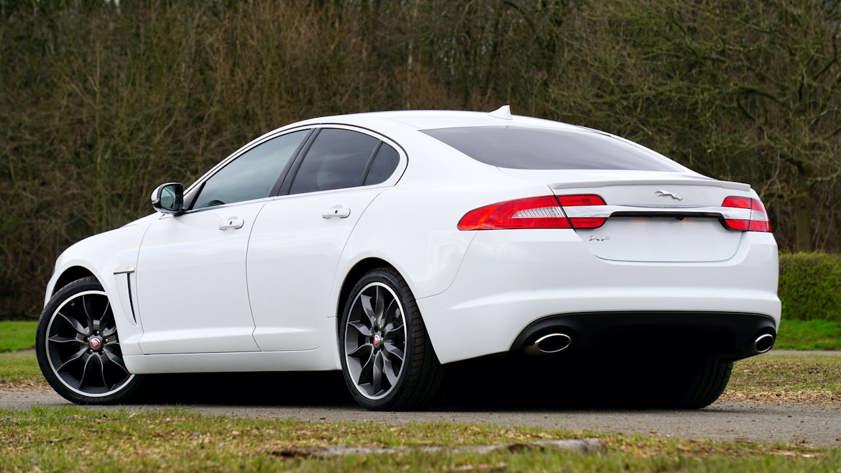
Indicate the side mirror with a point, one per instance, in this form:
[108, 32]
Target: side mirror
[169, 198]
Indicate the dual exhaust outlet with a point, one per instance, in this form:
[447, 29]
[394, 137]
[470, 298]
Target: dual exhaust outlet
[556, 342]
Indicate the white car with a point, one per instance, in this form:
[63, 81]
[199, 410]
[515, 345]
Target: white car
[388, 245]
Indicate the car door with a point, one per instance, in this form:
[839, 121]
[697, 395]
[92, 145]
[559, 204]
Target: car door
[191, 278]
[298, 238]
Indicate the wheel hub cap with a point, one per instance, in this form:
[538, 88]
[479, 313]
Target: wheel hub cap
[95, 343]
[377, 341]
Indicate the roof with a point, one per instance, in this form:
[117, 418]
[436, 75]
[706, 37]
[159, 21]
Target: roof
[426, 119]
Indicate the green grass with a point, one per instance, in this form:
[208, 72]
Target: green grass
[809, 335]
[19, 370]
[74, 439]
[17, 335]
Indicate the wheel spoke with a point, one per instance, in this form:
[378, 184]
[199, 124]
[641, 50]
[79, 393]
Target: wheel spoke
[361, 328]
[390, 372]
[58, 339]
[366, 307]
[109, 332]
[391, 328]
[393, 349]
[365, 367]
[102, 371]
[84, 371]
[379, 304]
[72, 358]
[114, 359]
[377, 382]
[75, 324]
[87, 313]
[358, 351]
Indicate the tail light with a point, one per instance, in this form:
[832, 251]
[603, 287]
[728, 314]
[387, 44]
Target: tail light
[756, 217]
[532, 212]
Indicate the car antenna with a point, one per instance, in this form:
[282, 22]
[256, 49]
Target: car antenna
[503, 112]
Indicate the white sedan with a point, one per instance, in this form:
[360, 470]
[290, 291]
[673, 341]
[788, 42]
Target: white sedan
[388, 245]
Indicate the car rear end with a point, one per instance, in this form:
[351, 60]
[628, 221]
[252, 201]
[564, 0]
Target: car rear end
[623, 249]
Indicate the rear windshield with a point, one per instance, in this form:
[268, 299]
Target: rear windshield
[546, 148]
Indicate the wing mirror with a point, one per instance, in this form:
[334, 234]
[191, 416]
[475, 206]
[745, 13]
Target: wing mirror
[169, 198]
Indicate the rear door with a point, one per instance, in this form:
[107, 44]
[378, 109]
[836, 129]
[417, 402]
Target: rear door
[298, 238]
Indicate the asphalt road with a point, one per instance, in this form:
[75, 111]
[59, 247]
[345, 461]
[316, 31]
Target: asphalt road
[724, 420]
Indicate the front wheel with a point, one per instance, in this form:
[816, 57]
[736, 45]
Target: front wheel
[387, 360]
[78, 349]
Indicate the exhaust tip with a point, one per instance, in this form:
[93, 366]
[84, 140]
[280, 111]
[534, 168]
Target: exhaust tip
[555, 342]
[763, 343]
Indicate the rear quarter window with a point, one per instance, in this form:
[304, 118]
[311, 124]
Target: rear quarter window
[547, 148]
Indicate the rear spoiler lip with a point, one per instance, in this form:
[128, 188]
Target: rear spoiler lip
[652, 182]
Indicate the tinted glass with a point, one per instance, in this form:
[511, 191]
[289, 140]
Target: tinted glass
[384, 164]
[545, 148]
[252, 175]
[337, 159]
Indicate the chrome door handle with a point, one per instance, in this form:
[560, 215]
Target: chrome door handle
[336, 211]
[232, 223]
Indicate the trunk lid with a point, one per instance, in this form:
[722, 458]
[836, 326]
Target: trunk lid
[651, 216]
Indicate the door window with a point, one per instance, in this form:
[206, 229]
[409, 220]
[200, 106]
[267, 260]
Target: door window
[252, 175]
[337, 159]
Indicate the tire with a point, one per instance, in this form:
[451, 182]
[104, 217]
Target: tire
[416, 381]
[79, 368]
[705, 384]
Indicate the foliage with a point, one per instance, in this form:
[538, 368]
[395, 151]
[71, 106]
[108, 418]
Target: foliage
[100, 101]
[810, 286]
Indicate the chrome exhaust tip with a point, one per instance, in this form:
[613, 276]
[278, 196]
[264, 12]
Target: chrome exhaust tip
[555, 342]
[763, 343]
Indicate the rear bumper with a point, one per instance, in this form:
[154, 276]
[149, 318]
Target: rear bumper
[708, 334]
[510, 279]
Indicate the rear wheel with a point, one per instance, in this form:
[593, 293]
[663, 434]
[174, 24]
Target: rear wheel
[387, 360]
[78, 349]
[704, 384]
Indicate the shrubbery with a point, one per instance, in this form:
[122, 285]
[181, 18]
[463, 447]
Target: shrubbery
[810, 286]
[100, 101]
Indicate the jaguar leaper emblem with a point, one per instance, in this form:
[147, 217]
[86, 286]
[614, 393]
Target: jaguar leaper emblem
[663, 193]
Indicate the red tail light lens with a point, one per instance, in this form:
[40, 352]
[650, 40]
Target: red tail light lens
[578, 217]
[532, 212]
[757, 220]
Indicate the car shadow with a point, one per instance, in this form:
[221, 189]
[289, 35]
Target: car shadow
[501, 383]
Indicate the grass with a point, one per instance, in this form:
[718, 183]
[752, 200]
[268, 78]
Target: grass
[787, 378]
[20, 371]
[17, 335]
[809, 335]
[74, 439]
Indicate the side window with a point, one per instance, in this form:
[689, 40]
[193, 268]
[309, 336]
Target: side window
[383, 166]
[337, 159]
[252, 175]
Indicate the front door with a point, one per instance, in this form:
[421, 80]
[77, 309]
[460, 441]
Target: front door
[191, 270]
[191, 282]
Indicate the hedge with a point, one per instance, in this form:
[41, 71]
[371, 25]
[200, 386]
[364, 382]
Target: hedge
[810, 286]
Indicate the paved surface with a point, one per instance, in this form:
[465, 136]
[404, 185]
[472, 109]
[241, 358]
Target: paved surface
[724, 420]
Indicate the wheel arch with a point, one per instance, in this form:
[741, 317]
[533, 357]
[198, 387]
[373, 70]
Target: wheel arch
[72, 273]
[353, 275]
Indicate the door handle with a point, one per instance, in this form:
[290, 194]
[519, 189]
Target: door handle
[336, 211]
[232, 223]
